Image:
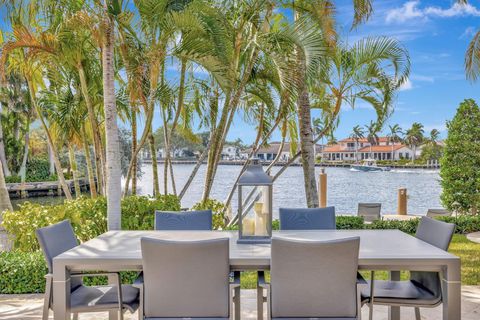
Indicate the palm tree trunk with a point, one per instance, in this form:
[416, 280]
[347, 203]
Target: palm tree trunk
[3, 158]
[88, 159]
[97, 142]
[153, 152]
[23, 167]
[134, 149]
[113, 169]
[73, 165]
[5, 203]
[51, 161]
[53, 149]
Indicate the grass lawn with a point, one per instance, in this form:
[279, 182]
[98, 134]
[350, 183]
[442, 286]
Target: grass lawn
[468, 251]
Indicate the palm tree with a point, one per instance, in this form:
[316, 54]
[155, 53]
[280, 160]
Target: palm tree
[434, 135]
[113, 169]
[414, 137]
[393, 135]
[5, 203]
[372, 135]
[357, 134]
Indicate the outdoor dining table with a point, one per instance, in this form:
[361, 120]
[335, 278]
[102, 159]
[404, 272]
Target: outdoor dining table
[390, 250]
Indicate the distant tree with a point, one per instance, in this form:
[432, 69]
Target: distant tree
[433, 138]
[431, 152]
[460, 176]
[414, 137]
[372, 134]
[394, 135]
[357, 134]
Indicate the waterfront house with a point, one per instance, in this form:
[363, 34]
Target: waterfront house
[270, 152]
[351, 150]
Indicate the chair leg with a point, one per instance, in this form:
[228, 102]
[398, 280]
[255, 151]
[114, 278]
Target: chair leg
[417, 313]
[370, 305]
[47, 297]
[260, 301]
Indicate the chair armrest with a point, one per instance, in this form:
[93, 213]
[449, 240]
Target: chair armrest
[235, 281]
[361, 282]
[138, 283]
[100, 274]
[261, 282]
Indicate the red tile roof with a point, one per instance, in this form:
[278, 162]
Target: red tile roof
[382, 148]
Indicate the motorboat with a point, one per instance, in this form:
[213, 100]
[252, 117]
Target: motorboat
[368, 165]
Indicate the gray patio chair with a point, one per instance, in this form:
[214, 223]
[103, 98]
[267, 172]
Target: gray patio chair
[58, 238]
[432, 213]
[424, 288]
[313, 280]
[186, 279]
[189, 220]
[369, 211]
[307, 218]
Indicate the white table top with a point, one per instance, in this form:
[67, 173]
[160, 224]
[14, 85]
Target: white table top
[379, 249]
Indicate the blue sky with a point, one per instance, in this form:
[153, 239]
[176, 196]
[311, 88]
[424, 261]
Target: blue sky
[436, 34]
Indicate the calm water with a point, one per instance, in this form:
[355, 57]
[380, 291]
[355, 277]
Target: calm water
[345, 187]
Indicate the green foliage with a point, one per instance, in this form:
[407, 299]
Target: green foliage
[218, 210]
[87, 215]
[431, 151]
[138, 212]
[460, 177]
[408, 226]
[38, 169]
[13, 179]
[349, 222]
[22, 272]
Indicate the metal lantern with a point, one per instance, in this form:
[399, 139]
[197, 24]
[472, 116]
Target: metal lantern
[255, 218]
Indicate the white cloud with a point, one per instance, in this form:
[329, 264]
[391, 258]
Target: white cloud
[408, 85]
[423, 78]
[411, 11]
[454, 11]
[468, 33]
[408, 11]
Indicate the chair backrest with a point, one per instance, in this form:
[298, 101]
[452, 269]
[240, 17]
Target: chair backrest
[327, 285]
[188, 220]
[431, 213]
[369, 211]
[438, 234]
[56, 239]
[307, 218]
[184, 279]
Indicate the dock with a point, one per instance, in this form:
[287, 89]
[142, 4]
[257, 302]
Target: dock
[42, 189]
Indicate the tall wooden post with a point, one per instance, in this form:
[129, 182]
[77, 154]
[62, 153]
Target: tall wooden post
[402, 201]
[322, 189]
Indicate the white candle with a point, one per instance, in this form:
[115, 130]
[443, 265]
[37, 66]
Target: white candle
[248, 226]
[260, 227]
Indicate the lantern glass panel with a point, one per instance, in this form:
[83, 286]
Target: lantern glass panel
[254, 205]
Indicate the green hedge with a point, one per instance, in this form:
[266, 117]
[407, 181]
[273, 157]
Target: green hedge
[88, 217]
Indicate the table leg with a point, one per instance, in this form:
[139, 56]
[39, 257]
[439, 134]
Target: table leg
[452, 291]
[259, 303]
[237, 303]
[112, 314]
[61, 292]
[394, 312]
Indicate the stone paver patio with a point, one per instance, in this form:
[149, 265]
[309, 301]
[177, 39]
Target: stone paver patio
[29, 306]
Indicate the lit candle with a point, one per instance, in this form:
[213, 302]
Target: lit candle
[248, 226]
[260, 229]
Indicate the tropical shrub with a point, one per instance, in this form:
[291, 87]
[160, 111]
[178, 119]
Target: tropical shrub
[22, 272]
[218, 210]
[87, 215]
[138, 212]
[460, 177]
